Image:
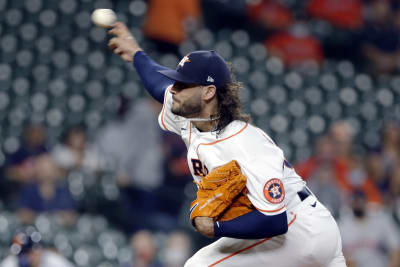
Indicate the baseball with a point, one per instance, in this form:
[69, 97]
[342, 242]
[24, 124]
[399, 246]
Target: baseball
[104, 17]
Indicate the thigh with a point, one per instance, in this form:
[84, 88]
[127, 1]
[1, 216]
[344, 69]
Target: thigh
[336, 258]
[339, 261]
[284, 251]
[313, 239]
[230, 252]
[324, 246]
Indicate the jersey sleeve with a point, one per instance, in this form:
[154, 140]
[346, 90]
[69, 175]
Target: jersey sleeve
[167, 120]
[263, 167]
[264, 182]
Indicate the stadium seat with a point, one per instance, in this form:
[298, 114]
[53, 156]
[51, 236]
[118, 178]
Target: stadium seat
[205, 39]
[224, 48]
[274, 66]
[188, 46]
[13, 17]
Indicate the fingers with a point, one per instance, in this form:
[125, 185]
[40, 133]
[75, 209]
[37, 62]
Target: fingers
[123, 44]
[117, 51]
[119, 29]
[115, 28]
[113, 42]
[119, 24]
[114, 45]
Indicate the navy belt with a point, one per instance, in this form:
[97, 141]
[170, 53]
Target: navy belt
[303, 194]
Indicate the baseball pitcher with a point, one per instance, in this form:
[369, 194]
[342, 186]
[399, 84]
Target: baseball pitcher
[248, 194]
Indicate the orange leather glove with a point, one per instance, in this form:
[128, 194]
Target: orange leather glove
[222, 194]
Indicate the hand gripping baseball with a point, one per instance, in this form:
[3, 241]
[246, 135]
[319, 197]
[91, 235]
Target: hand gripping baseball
[124, 43]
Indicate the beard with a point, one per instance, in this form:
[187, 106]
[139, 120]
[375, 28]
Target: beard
[188, 109]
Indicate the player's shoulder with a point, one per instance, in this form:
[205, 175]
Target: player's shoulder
[251, 137]
[234, 127]
[238, 125]
[250, 132]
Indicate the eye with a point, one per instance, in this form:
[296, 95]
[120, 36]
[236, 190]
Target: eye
[178, 86]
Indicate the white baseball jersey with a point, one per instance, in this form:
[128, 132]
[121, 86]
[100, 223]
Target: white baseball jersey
[272, 184]
[271, 181]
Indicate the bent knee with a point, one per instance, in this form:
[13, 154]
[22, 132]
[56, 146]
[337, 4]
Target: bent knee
[190, 262]
[195, 261]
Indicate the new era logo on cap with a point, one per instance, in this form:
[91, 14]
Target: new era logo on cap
[205, 68]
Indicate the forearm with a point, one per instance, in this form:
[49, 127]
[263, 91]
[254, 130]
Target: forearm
[253, 225]
[154, 82]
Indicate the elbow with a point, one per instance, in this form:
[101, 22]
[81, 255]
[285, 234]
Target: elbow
[284, 229]
[278, 227]
[281, 230]
[284, 224]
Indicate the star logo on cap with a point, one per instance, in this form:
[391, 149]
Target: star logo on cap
[183, 61]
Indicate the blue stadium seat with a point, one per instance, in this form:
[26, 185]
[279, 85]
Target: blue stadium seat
[205, 39]
[240, 39]
[274, 66]
[48, 19]
[61, 59]
[80, 46]
[169, 60]
[224, 48]
[33, 6]
[13, 17]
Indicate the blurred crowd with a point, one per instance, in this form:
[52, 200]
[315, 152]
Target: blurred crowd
[136, 175]
[28, 250]
[365, 32]
[148, 169]
[361, 189]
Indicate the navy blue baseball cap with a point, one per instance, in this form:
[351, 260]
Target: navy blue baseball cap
[202, 68]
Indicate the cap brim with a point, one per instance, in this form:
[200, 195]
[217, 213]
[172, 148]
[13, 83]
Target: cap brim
[176, 76]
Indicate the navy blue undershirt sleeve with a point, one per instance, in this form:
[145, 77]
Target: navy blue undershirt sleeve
[253, 225]
[154, 82]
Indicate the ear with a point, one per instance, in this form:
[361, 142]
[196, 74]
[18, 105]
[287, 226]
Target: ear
[209, 92]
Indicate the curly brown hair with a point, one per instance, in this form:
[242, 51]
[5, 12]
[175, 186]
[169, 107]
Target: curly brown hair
[229, 105]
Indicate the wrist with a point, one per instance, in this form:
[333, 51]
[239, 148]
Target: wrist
[204, 225]
[137, 53]
[217, 232]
